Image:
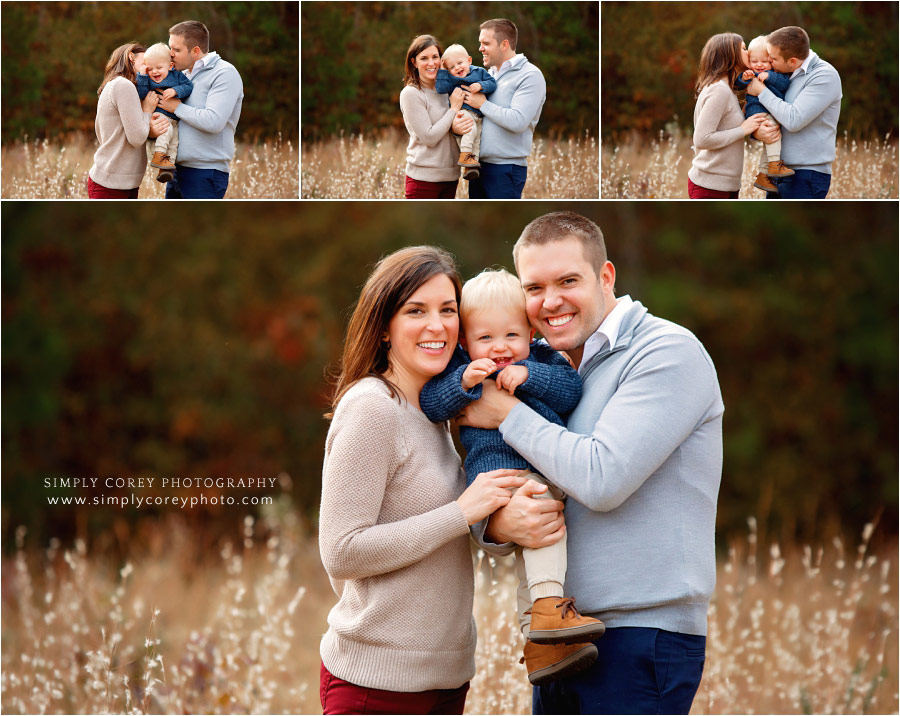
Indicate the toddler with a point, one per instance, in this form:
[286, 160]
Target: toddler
[497, 342]
[161, 77]
[459, 72]
[778, 83]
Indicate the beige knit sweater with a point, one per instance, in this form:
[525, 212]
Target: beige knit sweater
[122, 128]
[395, 545]
[432, 153]
[718, 139]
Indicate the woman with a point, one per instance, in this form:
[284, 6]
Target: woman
[432, 171]
[393, 526]
[123, 124]
[719, 125]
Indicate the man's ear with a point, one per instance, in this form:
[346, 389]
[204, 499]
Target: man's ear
[607, 277]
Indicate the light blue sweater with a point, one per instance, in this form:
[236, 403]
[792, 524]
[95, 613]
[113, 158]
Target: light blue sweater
[808, 116]
[512, 113]
[210, 115]
[641, 461]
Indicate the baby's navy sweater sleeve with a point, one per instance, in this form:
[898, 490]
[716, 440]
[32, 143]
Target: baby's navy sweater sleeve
[445, 83]
[443, 396]
[778, 82]
[483, 77]
[183, 86]
[551, 379]
[143, 86]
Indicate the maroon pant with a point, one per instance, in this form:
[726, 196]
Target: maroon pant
[416, 189]
[699, 192]
[342, 697]
[96, 191]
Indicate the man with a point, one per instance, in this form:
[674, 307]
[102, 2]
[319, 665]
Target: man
[808, 114]
[208, 117]
[641, 462]
[510, 115]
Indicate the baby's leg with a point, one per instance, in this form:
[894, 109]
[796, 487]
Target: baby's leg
[163, 140]
[467, 143]
[773, 150]
[173, 141]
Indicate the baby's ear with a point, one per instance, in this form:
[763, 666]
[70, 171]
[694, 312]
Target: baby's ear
[531, 334]
[462, 342]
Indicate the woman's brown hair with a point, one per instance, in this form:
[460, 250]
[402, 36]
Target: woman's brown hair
[119, 63]
[395, 278]
[721, 57]
[418, 45]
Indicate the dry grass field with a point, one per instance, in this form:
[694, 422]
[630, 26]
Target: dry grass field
[58, 170]
[177, 627]
[643, 169]
[360, 167]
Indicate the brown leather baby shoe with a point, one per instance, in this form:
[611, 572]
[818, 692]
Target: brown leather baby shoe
[763, 182]
[554, 620]
[548, 662]
[778, 169]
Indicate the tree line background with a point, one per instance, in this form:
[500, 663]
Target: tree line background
[353, 58]
[651, 50]
[203, 352]
[54, 54]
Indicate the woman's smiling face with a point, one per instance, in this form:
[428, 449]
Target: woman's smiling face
[428, 62]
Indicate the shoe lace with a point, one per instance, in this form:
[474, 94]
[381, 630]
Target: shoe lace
[568, 605]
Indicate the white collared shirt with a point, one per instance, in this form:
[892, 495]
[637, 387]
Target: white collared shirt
[496, 72]
[607, 332]
[200, 63]
[805, 66]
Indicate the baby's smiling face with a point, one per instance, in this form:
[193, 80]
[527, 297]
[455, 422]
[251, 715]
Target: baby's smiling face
[457, 63]
[759, 61]
[157, 69]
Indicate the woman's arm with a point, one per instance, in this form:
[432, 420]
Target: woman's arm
[415, 116]
[364, 448]
[135, 121]
[715, 104]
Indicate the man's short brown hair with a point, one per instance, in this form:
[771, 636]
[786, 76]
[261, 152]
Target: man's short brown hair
[503, 30]
[561, 225]
[194, 33]
[792, 41]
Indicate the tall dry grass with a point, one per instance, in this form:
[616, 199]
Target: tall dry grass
[361, 167]
[58, 170]
[179, 628]
[641, 168]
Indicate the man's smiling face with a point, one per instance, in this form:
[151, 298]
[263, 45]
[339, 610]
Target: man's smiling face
[489, 48]
[564, 298]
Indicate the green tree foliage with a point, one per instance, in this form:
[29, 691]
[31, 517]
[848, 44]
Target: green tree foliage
[202, 351]
[353, 55]
[651, 51]
[54, 54]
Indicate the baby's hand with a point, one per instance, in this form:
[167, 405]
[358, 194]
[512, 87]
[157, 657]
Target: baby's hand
[747, 75]
[763, 76]
[474, 87]
[512, 377]
[168, 93]
[477, 371]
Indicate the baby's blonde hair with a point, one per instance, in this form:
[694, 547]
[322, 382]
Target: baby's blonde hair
[758, 43]
[492, 288]
[159, 51]
[454, 49]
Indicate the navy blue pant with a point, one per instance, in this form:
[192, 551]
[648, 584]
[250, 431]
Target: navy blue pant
[805, 184]
[498, 181]
[638, 671]
[197, 184]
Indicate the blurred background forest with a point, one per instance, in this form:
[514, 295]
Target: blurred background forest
[127, 353]
[353, 55]
[54, 53]
[651, 51]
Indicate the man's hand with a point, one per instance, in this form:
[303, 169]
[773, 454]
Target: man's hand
[527, 521]
[475, 99]
[474, 87]
[747, 75]
[462, 123]
[476, 372]
[159, 123]
[170, 105]
[768, 132]
[490, 409]
[168, 93]
[512, 377]
[755, 87]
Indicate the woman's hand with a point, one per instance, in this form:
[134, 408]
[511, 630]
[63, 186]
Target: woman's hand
[148, 104]
[456, 99]
[159, 123]
[489, 492]
[752, 123]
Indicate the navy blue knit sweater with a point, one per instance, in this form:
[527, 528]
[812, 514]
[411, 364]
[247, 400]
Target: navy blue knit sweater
[777, 82]
[446, 83]
[175, 79]
[552, 390]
